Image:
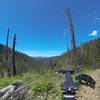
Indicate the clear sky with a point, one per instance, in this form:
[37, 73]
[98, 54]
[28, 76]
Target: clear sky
[42, 26]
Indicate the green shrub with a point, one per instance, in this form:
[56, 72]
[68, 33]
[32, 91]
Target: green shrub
[42, 87]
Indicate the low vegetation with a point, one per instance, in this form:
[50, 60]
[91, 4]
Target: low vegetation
[44, 85]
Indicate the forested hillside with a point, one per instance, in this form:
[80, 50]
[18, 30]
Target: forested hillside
[24, 63]
[88, 55]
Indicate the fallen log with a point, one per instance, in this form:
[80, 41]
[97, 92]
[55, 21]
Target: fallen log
[15, 91]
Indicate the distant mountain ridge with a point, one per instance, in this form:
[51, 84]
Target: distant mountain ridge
[3, 49]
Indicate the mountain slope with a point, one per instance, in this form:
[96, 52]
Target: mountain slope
[24, 63]
[87, 54]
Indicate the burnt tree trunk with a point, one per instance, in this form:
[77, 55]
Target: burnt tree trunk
[7, 41]
[94, 60]
[13, 56]
[94, 56]
[81, 55]
[74, 56]
[69, 55]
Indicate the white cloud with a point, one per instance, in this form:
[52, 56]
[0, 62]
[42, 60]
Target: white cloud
[94, 33]
[96, 20]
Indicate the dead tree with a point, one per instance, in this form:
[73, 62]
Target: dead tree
[7, 41]
[94, 52]
[81, 54]
[74, 56]
[13, 55]
[94, 60]
[69, 55]
[16, 91]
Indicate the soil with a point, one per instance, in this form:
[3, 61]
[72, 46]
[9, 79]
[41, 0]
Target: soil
[87, 93]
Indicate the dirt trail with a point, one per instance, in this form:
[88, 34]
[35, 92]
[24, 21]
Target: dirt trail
[87, 93]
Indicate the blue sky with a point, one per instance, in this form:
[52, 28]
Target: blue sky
[42, 26]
